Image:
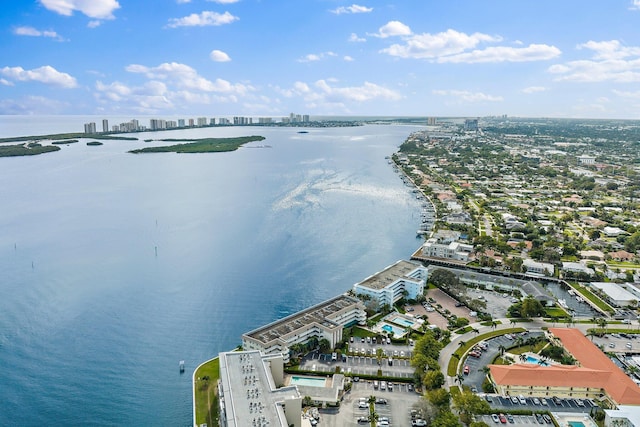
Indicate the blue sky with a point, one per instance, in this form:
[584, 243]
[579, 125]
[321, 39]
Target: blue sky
[533, 58]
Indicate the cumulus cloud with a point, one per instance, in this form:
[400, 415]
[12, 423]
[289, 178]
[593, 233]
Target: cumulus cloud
[98, 9]
[391, 29]
[348, 58]
[32, 32]
[467, 96]
[313, 57]
[355, 39]
[45, 74]
[185, 77]
[610, 61]
[635, 5]
[203, 19]
[426, 45]
[326, 93]
[94, 24]
[533, 89]
[354, 8]
[219, 56]
[534, 52]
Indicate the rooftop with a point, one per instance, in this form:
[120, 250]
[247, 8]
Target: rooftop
[252, 398]
[595, 370]
[317, 313]
[389, 275]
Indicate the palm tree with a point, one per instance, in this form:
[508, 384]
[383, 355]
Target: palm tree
[523, 357]
[459, 378]
[475, 331]
[462, 344]
[494, 324]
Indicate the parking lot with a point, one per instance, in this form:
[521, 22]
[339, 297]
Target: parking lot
[361, 358]
[396, 410]
[505, 404]
[516, 420]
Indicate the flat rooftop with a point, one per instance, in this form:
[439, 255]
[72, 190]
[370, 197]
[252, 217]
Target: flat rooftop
[389, 275]
[317, 313]
[251, 398]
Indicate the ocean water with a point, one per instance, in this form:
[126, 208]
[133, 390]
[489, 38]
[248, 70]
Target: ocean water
[115, 266]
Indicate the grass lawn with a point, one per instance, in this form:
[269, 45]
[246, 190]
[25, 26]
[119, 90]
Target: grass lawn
[593, 298]
[206, 398]
[526, 348]
[556, 312]
[361, 333]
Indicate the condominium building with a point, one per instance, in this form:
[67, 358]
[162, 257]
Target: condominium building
[90, 127]
[105, 125]
[594, 376]
[404, 279]
[324, 320]
[202, 121]
[250, 395]
[457, 251]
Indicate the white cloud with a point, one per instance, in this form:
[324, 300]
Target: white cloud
[450, 42]
[219, 56]
[30, 31]
[313, 57]
[367, 92]
[6, 82]
[32, 105]
[627, 94]
[94, 24]
[45, 74]
[348, 58]
[98, 9]
[635, 5]
[354, 38]
[534, 52]
[611, 61]
[533, 89]
[391, 29]
[354, 8]
[467, 96]
[203, 19]
[185, 77]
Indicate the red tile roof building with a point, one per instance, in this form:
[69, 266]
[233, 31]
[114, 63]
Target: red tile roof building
[594, 376]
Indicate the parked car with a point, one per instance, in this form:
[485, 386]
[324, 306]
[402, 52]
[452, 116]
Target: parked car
[544, 401]
[495, 418]
[536, 401]
[503, 419]
[381, 401]
[510, 418]
[580, 402]
[539, 419]
[547, 418]
[514, 400]
[466, 370]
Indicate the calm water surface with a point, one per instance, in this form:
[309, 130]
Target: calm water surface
[114, 266]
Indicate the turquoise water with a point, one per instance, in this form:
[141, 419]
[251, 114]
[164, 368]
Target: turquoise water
[398, 332]
[308, 381]
[576, 424]
[536, 361]
[93, 322]
[402, 321]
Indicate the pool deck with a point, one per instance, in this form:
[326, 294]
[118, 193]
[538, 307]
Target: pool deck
[563, 419]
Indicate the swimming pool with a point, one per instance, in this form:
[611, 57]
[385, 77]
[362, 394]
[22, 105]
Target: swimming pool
[536, 361]
[402, 321]
[397, 332]
[308, 381]
[576, 424]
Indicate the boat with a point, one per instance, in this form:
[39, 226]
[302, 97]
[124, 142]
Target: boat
[562, 303]
[181, 364]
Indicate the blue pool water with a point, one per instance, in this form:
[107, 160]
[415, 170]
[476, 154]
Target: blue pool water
[402, 321]
[397, 332]
[576, 424]
[536, 361]
[308, 381]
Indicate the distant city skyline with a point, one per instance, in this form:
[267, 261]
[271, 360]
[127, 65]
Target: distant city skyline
[531, 58]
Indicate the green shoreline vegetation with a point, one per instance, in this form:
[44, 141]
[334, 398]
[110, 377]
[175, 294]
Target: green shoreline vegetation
[26, 150]
[66, 141]
[70, 136]
[204, 145]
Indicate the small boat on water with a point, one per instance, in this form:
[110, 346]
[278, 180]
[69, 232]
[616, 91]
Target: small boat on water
[181, 364]
[562, 303]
